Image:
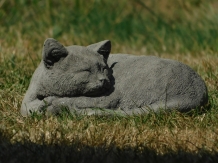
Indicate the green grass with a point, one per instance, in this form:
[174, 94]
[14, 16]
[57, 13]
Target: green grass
[185, 30]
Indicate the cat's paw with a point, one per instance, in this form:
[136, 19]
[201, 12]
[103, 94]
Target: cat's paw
[56, 106]
[49, 100]
[46, 103]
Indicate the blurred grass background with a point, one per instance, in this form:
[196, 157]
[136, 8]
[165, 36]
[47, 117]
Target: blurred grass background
[185, 30]
[155, 25]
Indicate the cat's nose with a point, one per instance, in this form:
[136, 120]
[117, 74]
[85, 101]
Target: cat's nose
[101, 78]
[105, 83]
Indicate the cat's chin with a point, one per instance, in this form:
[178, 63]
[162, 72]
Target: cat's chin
[97, 92]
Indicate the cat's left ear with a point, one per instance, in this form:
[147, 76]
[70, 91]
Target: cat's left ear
[103, 48]
[52, 52]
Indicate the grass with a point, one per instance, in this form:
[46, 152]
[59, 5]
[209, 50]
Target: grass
[185, 31]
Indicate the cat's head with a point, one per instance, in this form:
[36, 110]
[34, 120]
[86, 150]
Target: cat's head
[75, 70]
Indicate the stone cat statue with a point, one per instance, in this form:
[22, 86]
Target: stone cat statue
[84, 79]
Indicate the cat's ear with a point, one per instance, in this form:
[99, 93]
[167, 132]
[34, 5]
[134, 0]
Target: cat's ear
[103, 48]
[52, 52]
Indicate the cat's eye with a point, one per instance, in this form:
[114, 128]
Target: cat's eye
[87, 70]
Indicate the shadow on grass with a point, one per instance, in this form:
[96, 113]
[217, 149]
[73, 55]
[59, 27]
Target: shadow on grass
[30, 152]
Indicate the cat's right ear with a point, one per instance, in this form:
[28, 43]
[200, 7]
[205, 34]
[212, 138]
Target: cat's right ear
[103, 48]
[52, 52]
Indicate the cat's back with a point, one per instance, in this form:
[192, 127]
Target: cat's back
[130, 66]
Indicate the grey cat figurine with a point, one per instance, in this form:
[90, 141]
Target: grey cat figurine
[86, 78]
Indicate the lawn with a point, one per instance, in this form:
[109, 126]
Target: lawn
[184, 30]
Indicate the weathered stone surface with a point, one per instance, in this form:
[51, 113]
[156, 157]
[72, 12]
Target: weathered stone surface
[83, 78]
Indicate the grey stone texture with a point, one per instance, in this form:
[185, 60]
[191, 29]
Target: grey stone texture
[87, 80]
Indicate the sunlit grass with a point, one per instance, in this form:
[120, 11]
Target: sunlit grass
[185, 31]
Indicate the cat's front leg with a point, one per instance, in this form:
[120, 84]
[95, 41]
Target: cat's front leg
[83, 105]
[70, 103]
